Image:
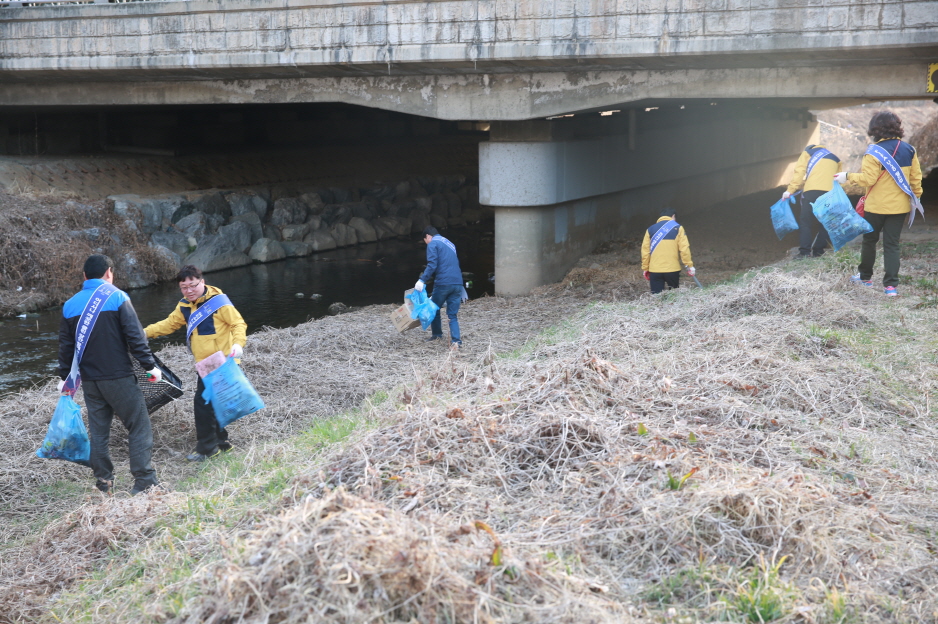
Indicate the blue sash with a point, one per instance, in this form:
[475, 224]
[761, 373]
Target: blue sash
[666, 227]
[207, 309]
[445, 242]
[815, 158]
[892, 167]
[89, 316]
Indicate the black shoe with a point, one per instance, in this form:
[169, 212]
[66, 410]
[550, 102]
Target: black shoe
[104, 486]
[146, 488]
[201, 457]
[225, 446]
[432, 338]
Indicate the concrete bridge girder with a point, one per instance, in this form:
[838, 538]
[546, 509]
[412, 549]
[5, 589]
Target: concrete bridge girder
[494, 97]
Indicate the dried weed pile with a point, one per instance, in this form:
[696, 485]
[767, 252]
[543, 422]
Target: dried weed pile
[44, 239]
[748, 453]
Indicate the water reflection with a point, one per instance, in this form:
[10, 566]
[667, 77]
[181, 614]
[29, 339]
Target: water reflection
[265, 294]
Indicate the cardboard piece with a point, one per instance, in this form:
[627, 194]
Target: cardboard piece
[401, 316]
[210, 363]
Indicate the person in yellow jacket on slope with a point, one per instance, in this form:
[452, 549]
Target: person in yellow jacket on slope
[891, 194]
[664, 249]
[212, 324]
[813, 176]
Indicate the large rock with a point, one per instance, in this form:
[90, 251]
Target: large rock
[237, 234]
[216, 252]
[341, 195]
[267, 250]
[247, 202]
[211, 202]
[344, 235]
[454, 204]
[173, 241]
[336, 213]
[365, 231]
[382, 230]
[314, 202]
[195, 225]
[296, 208]
[296, 249]
[131, 273]
[170, 256]
[361, 209]
[400, 227]
[150, 214]
[254, 222]
[320, 240]
[424, 204]
[437, 221]
[294, 232]
[440, 205]
[314, 222]
[281, 216]
[272, 232]
[402, 191]
[419, 221]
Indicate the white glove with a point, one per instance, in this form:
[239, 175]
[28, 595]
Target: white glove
[236, 351]
[786, 195]
[155, 375]
[841, 177]
[61, 385]
[691, 271]
[419, 286]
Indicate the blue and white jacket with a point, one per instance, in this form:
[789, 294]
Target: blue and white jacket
[442, 263]
[117, 335]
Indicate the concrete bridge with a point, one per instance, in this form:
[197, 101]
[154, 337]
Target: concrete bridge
[711, 96]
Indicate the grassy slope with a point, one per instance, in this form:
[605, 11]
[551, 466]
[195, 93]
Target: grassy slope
[762, 449]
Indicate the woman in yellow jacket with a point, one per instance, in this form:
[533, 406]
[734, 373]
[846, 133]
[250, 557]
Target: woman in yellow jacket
[813, 176]
[887, 204]
[224, 330]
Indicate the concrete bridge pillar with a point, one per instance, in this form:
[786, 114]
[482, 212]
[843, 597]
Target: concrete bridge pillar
[562, 186]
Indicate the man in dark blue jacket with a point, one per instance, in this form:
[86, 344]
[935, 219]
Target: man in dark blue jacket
[107, 374]
[443, 269]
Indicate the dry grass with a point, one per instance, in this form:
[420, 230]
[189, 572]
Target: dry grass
[761, 450]
[40, 261]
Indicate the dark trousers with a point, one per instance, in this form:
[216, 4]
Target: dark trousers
[659, 280]
[812, 237]
[891, 228]
[207, 432]
[451, 297]
[121, 396]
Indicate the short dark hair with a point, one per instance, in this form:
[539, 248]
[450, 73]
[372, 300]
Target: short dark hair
[97, 265]
[430, 230]
[885, 125]
[190, 270]
[667, 211]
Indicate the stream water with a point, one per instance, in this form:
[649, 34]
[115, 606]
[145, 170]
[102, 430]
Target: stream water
[265, 294]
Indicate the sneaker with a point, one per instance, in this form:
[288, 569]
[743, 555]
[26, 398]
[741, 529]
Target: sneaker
[456, 345]
[104, 487]
[432, 338]
[856, 280]
[201, 457]
[225, 446]
[891, 291]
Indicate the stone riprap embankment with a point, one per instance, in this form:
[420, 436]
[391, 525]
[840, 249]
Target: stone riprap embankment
[220, 229]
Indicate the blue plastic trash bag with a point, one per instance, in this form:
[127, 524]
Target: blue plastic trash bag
[230, 393]
[424, 308]
[67, 437]
[783, 220]
[835, 212]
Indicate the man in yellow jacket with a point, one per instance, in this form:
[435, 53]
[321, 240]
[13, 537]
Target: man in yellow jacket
[212, 324]
[891, 194]
[664, 249]
[813, 176]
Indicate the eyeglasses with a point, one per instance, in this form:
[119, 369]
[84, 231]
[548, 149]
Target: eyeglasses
[192, 287]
